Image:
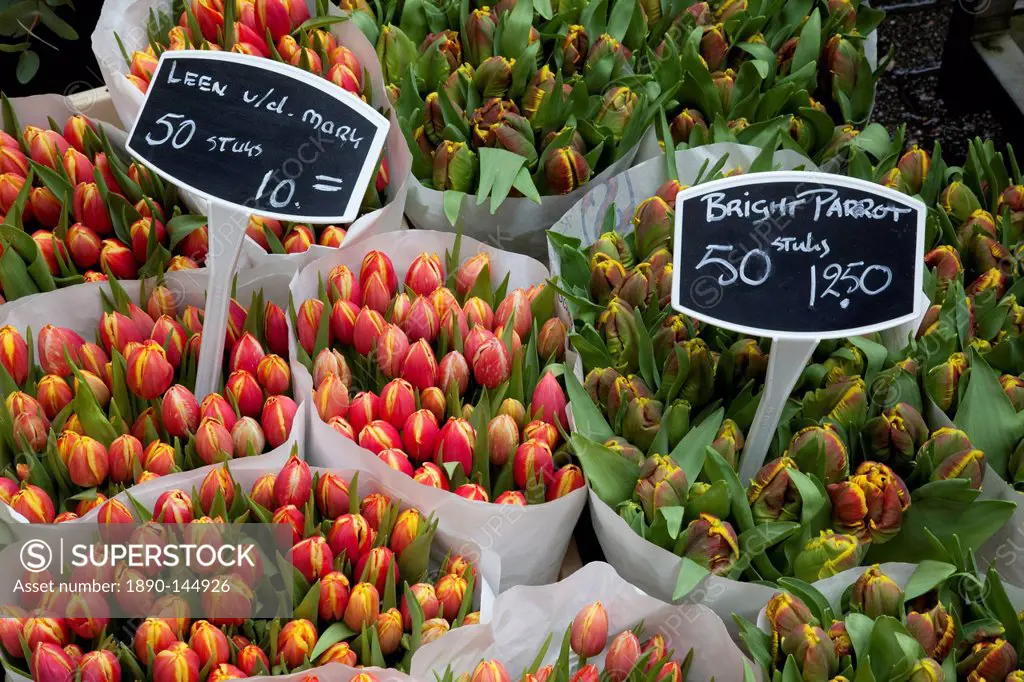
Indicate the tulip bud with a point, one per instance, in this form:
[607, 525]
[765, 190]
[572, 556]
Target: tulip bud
[826, 555]
[456, 442]
[276, 419]
[363, 607]
[34, 504]
[815, 446]
[149, 372]
[295, 642]
[812, 650]
[351, 535]
[100, 666]
[934, 630]
[173, 506]
[52, 343]
[871, 503]
[450, 590]
[989, 660]
[566, 480]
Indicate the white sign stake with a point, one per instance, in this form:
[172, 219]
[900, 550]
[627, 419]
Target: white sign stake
[786, 363]
[227, 231]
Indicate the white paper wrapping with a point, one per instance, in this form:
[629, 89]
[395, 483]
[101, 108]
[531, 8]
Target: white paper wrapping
[127, 18]
[530, 541]
[245, 472]
[519, 224]
[524, 616]
[81, 306]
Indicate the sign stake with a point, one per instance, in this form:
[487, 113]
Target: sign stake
[786, 362]
[227, 227]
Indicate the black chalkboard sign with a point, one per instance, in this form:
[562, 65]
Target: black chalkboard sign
[798, 255]
[259, 134]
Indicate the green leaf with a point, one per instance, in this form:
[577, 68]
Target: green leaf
[691, 451]
[987, 415]
[336, 632]
[927, 576]
[587, 417]
[28, 65]
[452, 203]
[611, 475]
[690, 575]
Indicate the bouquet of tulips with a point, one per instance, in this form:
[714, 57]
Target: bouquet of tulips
[493, 97]
[649, 435]
[383, 345]
[739, 72]
[624, 635]
[832, 630]
[443, 371]
[73, 209]
[372, 583]
[83, 419]
[285, 31]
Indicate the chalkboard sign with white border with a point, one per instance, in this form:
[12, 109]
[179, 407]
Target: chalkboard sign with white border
[798, 255]
[260, 135]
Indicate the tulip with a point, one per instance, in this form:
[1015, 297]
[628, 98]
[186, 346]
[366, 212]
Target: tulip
[786, 613]
[290, 515]
[826, 555]
[50, 662]
[345, 322]
[988, 660]
[871, 504]
[532, 462]
[492, 363]
[177, 663]
[875, 594]
[350, 535]
[149, 372]
[454, 370]
[34, 504]
[433, 399]
[312, 557]
[896, 435]
[276, 419]
[450, 590]
[363, 409]
[548, 401]
[952, 455]
[363, 606]
[934, 630]
[565, 480]
[293, 484]
[209, 643]
[217, 408]
[662, 484]
[813, 651]
[52, 343]
[472, 491]
[392, 347]
[430, 474]
[420, 368]
[295, 642]
[100, 666]
[456, 442]
[338, 653]
[419, 434]
[88, 462]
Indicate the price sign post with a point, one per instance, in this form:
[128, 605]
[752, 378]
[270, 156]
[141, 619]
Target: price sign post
[796, 257]
[252, 135]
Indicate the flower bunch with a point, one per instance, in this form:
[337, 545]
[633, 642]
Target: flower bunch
[459, 423]
[626, 657]
[733, 78]
[966, 349]
[511, 92]
[91, 418]
[851, 454]
[73, 210]
[364, 592]
[281, 30]
[810, 640]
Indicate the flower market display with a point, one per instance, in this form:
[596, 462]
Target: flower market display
[77, 209]
[420, 403]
